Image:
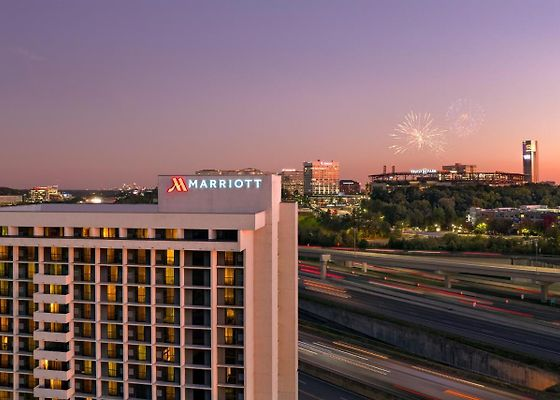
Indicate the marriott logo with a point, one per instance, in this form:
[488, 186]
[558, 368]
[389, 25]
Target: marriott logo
[180, 184]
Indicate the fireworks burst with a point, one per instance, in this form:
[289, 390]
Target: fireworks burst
[464, 117]
[417, 132]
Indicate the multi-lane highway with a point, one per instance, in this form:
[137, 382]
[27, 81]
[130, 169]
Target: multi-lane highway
[394, 377]
[509, 325]
[311, 388]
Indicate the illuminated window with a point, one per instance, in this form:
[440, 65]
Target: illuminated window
[4, 325]
[141, 294]
[170, 378]
[112, 369]
[230, 316]
[5, 360]
[142, 353]
[56, 384]
[142, 371]
[55, 289]
[112, 350]
[108, 233]
[5, 288]
[56, 253]
[111, 293]
[169, 354]
[140, 333]
[229, 276]
[4, 252]
[141, 277]
[142, 253]
[88, 293]
[170, 256]
[87, 273]
[170, 335]
[114, 274]
[4, 306]
[170, 234]
[228, 258]
[228, 335]
[169, 276]
[85, 232]
[3, 231]
[30, 270]
[111, 312]
[169, 316]
[88, 367]
[53, 307]
[3, 269]
[112, 331]
[169, 391]
[113, 388]
[229, 296]
[87, 330]
[87, 310]
[142, 233]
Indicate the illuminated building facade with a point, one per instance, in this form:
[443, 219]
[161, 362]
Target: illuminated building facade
[191, 298]
[530, 161]
[292, 183]
[320, 178]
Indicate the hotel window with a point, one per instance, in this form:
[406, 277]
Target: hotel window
[169, 276]
[53, 307]
[86, 331]
[230, 316]
[112, 350]
[169, 316]
[228, 335]
[56, 253]
[5, 343]
[87, 272]
[85, 232]
[142, 255]
[142, 371]
[5, 288]
[229, 276]
[114, 274]
[56, 384]
[55, 289]
[170, 257]
[112, 369]
[141, 314]
[170, 296]
[4, 253]
[88, 294]
[3, 231]
[140, 334]
[170, 234]
[169, 354]
[30, 270]
[169, 391]
[141, 294]
[141, 275]
[229, 296]
[113, 388]
[108, 233]
[111, 312]
[112, 331]
[4, 306]
[88, 367]
[111, 293]
[170, 378]
[142, 353]
[170, 335]
[3, 270]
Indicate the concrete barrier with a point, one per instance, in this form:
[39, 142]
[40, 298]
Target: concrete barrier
[435, 347]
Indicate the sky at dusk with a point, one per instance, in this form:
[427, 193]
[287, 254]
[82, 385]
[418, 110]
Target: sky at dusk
[98, 93]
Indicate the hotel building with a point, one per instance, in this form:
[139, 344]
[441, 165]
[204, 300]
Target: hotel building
[530, 161]
[191, 298]
[320, 178]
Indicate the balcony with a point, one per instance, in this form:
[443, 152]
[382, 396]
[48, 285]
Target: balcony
[41, 373]
[59, 337]
[60, 318]
[45, 279]
[52, 298]
[45, 392]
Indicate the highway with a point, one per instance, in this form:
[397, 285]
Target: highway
[311, 388]
[451, 264]
[395, 377]
[474, 317]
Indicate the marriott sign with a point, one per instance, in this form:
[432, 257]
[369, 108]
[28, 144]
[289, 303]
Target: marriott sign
[180, 184]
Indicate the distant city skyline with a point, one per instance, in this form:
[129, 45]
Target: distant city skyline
[96, 94]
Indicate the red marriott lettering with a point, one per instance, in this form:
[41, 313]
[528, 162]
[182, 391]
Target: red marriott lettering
[178, 184]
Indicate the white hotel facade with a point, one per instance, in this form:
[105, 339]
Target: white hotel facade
[192, 298]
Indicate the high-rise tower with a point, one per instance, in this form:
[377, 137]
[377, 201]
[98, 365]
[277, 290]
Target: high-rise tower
[530, 161]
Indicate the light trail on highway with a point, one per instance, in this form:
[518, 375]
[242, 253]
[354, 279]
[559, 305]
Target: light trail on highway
[396, 377]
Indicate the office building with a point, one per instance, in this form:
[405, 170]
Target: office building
[292, 183]
[320, 178]
[530, 161]
[349, 187]
[45, 194]
[191, 298]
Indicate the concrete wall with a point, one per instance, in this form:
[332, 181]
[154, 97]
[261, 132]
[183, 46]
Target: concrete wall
[436, 347]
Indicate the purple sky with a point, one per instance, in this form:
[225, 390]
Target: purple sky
[94, 94]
